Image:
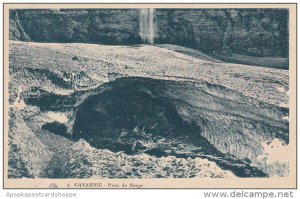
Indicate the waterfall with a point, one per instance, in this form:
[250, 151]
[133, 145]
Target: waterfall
[146, 25]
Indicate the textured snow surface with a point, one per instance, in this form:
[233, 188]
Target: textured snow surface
[87, 162]
[57, 71]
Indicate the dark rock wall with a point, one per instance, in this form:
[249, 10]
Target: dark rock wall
[88, 26]
[254, 32]
[248, 32]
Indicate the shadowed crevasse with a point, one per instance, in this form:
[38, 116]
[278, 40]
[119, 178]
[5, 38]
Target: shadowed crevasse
[183, 119]
[161, 118]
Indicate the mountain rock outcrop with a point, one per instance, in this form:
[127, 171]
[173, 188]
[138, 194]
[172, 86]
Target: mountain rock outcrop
[253, 32]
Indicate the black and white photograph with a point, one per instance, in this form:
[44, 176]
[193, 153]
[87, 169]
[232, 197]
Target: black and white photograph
[147, 92]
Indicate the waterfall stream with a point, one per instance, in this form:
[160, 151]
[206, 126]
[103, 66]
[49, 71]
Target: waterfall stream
[147, 25]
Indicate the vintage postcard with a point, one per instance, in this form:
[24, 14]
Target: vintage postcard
[149, 96]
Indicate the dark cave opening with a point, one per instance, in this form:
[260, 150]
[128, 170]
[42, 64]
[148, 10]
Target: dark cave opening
[56, 128]
[133, 118]
[104, 118]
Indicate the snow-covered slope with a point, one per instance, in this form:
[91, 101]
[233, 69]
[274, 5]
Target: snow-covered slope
[236, 108]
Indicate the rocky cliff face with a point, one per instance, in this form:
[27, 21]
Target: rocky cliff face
[94, 26]
[260, 32]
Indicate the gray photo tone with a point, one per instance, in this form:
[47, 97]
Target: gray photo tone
[148, 93]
